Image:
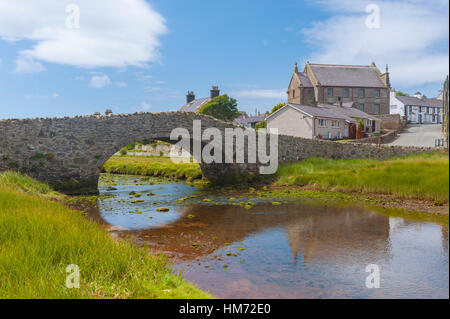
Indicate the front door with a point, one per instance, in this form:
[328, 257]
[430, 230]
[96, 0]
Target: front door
[352, 131]
[373, 126]
[420, 118]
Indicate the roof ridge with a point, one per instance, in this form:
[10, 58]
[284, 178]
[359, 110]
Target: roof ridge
[346, 65]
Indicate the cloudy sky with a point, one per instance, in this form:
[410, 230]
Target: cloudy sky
[73, 57]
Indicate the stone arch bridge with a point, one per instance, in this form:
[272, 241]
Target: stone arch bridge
[69, 152]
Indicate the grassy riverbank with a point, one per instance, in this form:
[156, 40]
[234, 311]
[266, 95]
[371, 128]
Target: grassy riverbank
[424, 176]
[40, 237]
[152, 166]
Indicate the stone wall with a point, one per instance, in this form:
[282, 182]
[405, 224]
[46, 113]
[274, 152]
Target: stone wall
[392, 121]
[386, 138]
[70, 152]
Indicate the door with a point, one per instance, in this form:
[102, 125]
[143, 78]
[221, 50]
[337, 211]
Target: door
[373, 126]
[352, 131]
[420, 118]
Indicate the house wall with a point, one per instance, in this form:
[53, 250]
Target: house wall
[369, 100]
[423, 114]
[291, 122]
[294, 86]
[328, 131]
[396, 106]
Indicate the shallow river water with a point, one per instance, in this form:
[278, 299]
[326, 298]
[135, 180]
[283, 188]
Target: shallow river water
[291, 250]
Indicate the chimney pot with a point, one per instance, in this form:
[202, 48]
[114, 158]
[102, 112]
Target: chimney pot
[190, 96]
[215, 92]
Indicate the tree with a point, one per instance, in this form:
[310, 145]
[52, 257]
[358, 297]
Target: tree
[400, 93]
[221, 107]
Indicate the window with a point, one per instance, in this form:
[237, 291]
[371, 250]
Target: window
[361, 93]
[322, 122]
[310, 93]
[377, 109]
[330, 92]
[428, 110]
[361, 106]
[293, 93]
[346, 93]
[377, 93]
[335, 123]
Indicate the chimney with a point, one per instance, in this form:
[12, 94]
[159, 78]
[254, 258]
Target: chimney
[215, 92]
[190, 96]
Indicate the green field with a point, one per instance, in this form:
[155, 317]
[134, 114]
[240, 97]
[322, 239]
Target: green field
[152, 166]
[40, 237]
[424, 176]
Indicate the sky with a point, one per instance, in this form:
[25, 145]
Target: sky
[77, 57]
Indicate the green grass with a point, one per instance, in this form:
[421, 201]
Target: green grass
[152, 166]
[39, 237]
[424, 176]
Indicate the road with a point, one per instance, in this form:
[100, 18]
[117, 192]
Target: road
[419, 135]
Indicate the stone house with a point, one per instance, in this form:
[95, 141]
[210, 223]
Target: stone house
[193, 104]
[417, 109]
[365, 86]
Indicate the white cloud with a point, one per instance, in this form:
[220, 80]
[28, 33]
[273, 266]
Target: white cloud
[27, 65]
[116, 33]
[261, 94]
[412, 38]
[100, 81]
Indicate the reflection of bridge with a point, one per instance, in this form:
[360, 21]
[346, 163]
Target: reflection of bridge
[70, 152]
[313, 231]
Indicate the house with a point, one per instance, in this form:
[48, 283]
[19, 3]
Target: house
[193, 104]
[417, 109]
[363, 85]
[250, 121]
[311, 122]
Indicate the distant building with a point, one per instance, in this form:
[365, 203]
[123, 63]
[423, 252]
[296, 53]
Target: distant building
[364, 85]
[250, 121]
[323, 121]
[193, 104]
[417, 109]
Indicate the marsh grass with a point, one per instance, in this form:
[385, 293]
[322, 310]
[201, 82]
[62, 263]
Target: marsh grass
[152, 166]
[424, 176]
[39, 238]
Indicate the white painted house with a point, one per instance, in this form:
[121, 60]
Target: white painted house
[418, 109]
[323, 121]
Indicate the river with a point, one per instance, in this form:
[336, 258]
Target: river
[278, 249]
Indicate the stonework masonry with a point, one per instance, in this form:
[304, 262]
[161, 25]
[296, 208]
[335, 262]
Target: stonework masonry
[69, 152]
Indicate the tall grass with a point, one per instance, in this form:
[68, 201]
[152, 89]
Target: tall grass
[39, 238]
[152, 166]
[424, 176]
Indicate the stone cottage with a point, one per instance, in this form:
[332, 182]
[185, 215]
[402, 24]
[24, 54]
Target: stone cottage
[193, 104]
[364, 85]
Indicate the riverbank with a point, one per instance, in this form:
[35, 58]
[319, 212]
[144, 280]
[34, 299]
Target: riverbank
[152, 166]
[418, 182]
[40, 237]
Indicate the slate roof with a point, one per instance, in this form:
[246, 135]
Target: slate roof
[347, 75]
[314, 111]
[250, 119]
[304, 79]
[350, 111]
[411, 100]
[194, 105]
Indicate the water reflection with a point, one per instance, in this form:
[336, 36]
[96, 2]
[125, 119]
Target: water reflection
[288, 251]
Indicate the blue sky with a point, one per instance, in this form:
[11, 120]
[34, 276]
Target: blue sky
[137, 55]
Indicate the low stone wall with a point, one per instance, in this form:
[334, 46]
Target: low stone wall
[382, 139]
